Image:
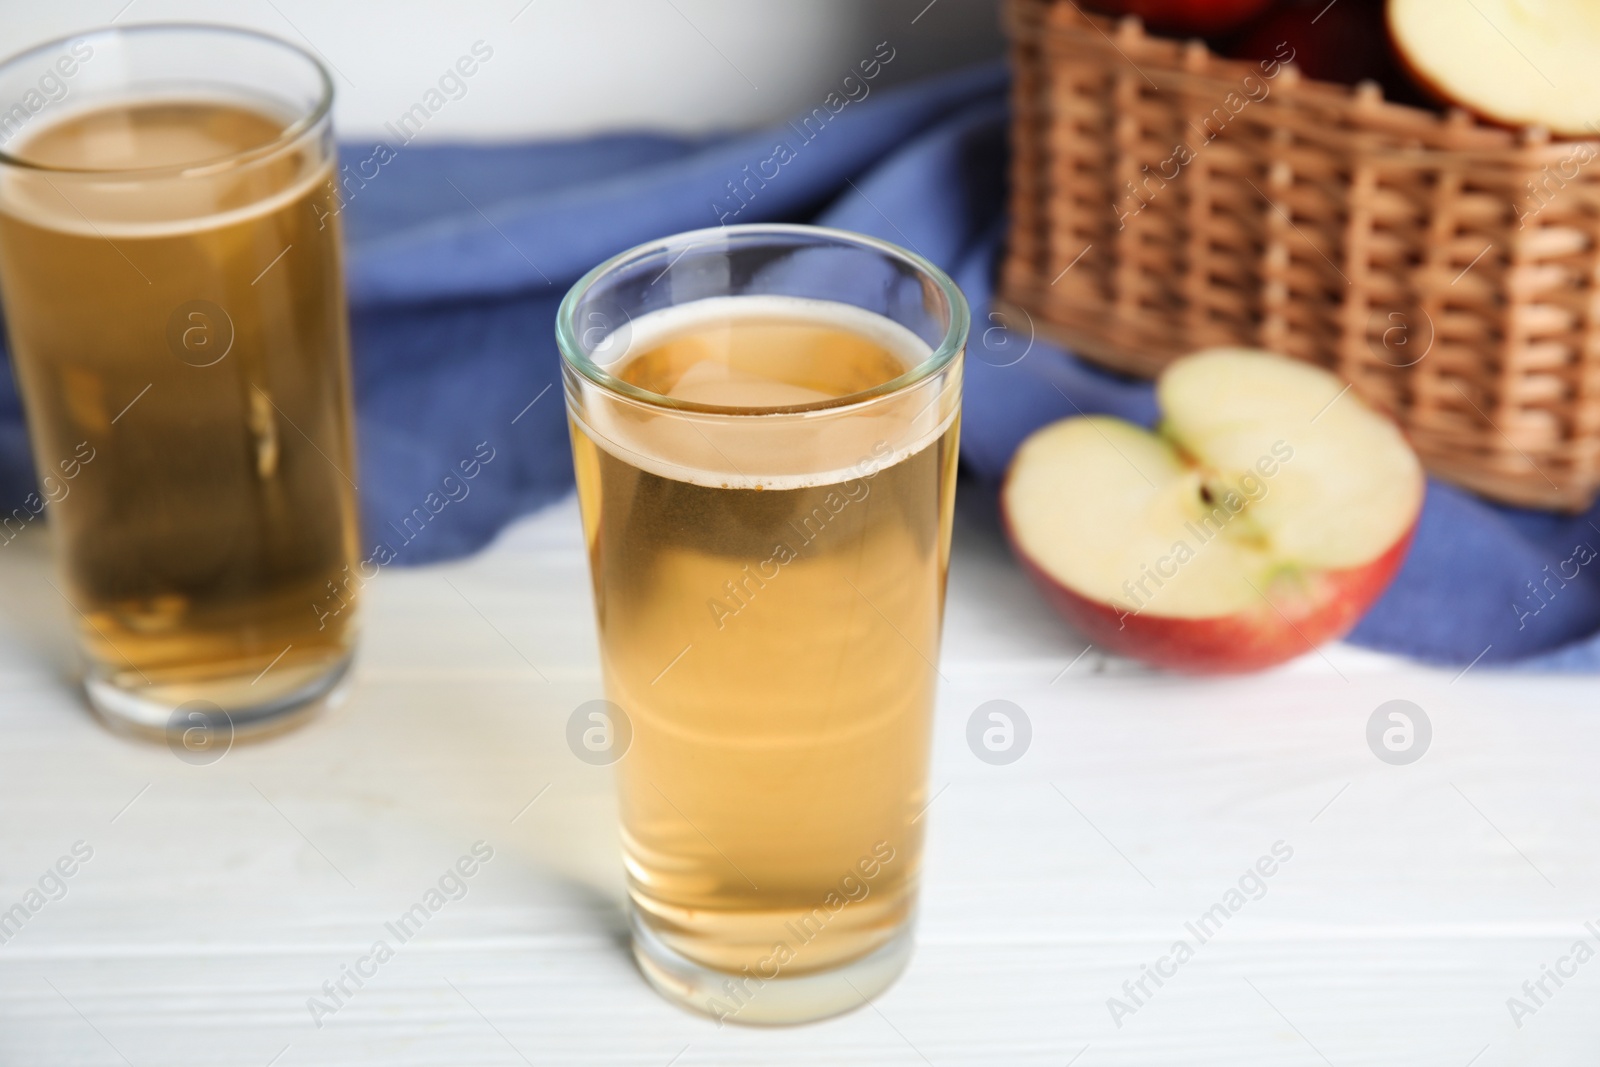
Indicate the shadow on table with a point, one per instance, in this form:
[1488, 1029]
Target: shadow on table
[34, 617]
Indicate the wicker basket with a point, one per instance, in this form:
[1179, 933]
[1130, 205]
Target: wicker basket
[1448, 269]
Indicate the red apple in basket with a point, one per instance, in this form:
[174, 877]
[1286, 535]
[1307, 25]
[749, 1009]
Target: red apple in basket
[1193, 18]
[1261, 519]
[1346, 42]
[1515, 62]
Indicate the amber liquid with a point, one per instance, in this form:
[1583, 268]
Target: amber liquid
[187, 331]
[773, 643]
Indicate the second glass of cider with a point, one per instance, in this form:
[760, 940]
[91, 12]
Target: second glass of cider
[171, 269]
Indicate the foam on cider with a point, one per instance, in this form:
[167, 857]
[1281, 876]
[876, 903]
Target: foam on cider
[163, 138]
[755, 359]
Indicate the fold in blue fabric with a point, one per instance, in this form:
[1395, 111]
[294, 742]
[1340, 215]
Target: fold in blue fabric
[460, 254]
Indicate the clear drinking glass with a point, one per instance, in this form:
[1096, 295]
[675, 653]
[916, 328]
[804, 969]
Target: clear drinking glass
[764, 425]
[170, 268]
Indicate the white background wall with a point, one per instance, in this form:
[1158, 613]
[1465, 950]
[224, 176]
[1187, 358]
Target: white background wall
[572, 66]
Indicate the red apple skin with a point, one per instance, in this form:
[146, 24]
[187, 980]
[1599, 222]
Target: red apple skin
[1228, 644]
[1195, 18]
[1346, 43]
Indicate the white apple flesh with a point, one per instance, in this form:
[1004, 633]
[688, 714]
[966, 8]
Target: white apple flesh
[1263, 518]
[1514, 62]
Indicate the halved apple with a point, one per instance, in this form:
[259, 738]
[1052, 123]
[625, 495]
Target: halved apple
[1266, 514]
[1516, 62]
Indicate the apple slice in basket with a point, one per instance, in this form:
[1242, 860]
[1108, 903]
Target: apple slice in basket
[1515, 62]
[1265, 516]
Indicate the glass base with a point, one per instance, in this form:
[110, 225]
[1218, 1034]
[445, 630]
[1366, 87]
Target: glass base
[779, 1001]
[205, 714]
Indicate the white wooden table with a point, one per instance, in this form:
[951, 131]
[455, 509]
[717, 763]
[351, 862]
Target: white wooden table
[219, 898]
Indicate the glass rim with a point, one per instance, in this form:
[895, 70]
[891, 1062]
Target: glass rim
[950, 345]
[290, 133]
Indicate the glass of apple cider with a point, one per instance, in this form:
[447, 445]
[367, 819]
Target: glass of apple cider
[170, 272]
[764, 425]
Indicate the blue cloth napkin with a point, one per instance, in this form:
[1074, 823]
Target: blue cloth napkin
[460, 254]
